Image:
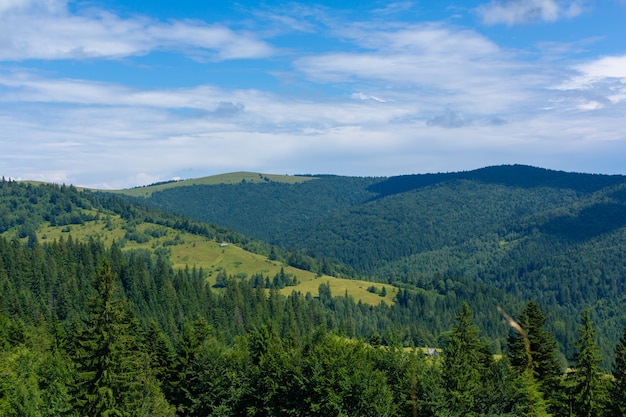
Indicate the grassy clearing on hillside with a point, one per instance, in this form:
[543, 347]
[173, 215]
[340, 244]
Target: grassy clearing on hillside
[237, 262]
[108, 230]
[187, 250]
[232, 178]
[338, 287]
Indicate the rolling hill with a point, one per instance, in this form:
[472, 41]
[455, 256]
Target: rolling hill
[50, 213]
[531, 233]
[498, 236]
[230, 178]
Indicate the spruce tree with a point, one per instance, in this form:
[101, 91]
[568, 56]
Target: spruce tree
[588, 388]
[113, 370]
[162, 357]
[545, 366]
[462, 364]
[618, 389]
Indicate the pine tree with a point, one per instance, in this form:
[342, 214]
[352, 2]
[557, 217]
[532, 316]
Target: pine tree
[618, 389]
[113, 370]
[545, 367]
[191, 340]
[462, 364]
[588, 388]
[162, 356]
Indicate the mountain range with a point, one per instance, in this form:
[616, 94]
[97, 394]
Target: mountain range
[494, 237]
[524, 232]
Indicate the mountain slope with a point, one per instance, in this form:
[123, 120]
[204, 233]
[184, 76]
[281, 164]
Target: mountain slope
[368, 222]
[265, 210]
[55, 237]
[48, 213]
[533, 233]
[232, 178]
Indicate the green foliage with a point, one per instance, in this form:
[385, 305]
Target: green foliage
[35, 377]
[618, 388]
[287, 368]
[279, 206]
[504, 393]
[462, 366]
[113, 370]
[149, 339]
[545, 367]
[589, 388]
[508, 233]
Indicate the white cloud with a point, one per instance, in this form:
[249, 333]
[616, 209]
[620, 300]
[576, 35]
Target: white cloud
[293, 17]
[395, 8]
[611, 69]
[80, 143]
[363, 96]
[378, 99]
[48, 6]
[606, 67]
[590, 105]
[6, 5]
[47, 30]
[513, 12]
[598, 83]
[429, 65]
[258, 109]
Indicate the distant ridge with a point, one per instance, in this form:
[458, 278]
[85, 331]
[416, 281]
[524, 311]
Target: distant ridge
[226, 179]
[516, 175]
[523, 176]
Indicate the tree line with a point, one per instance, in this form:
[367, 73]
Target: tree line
[81, 324]
[519, 254]
[524, 232]
[91, 330]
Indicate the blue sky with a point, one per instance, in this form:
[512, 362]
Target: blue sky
[115, 94]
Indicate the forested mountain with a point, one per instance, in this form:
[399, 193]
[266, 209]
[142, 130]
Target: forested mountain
[532, 233]
[38, 286]
[267, 210]
[96, 320]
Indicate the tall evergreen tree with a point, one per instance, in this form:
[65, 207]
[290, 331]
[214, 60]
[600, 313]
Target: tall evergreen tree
[503, 392]
[544, 363]
[162, 356]
[462, 364]
[618, 389]
[588, 388]
[112, 368]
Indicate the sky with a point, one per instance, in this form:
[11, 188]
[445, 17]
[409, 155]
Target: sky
[114, 94]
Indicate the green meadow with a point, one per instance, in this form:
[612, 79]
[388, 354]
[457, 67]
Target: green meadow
[230, 178]
[188, 250]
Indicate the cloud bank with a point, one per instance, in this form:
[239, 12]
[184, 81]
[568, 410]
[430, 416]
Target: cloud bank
[46, 29]
[349, 96]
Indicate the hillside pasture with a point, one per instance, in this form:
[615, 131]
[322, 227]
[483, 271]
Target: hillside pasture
[230, 178]
[338, 287]
[188, 250]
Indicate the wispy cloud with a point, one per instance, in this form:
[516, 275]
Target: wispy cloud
[597, 84]
[364, 96]
[38, 29]
[428, 65]
[606, 67]
[512, 12]
[294, 17]
[448, 119]
[396, 7]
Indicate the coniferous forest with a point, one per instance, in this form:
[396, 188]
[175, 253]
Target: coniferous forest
[89, 327]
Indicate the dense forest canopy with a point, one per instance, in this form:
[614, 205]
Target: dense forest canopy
[91, 327]
[420, 316]
[531, 233]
